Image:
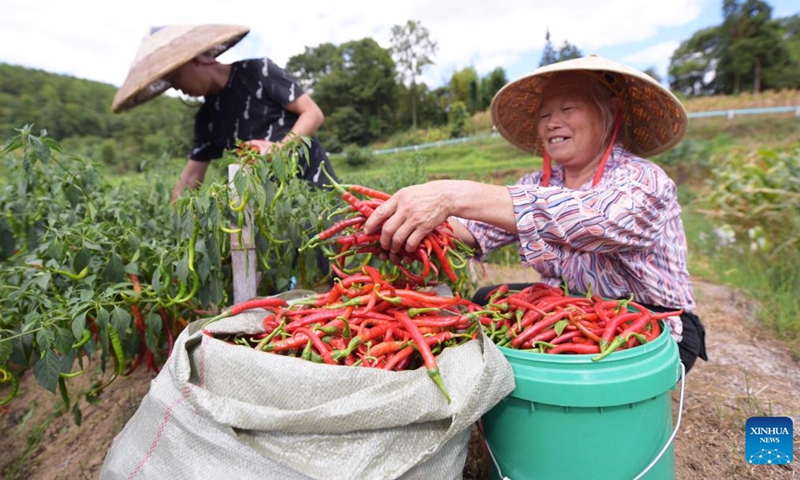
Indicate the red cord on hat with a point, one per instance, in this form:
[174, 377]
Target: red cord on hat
[547, 165]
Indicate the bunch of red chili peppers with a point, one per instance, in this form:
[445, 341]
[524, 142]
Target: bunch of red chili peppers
[439, 253]
[363, 321]
[545, 319]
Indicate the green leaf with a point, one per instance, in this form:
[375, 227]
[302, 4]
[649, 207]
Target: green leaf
[42, 152]
[5, 351]
[77, 416]
[73, 195]
[560, 326]
[46, 370]
[78, 325]
[121, 319]
[155, 282]
[43, 280]
[102, 318]
[154, 326]
[7, 242]
[63, 342]
[51, 144]
[81, 260]
[115, 270]
[55, 250]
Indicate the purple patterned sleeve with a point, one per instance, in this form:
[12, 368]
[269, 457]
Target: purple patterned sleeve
[623, 236]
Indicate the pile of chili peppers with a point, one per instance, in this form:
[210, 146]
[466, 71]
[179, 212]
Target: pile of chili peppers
[366, 321]
[440, 253]
[545, 319]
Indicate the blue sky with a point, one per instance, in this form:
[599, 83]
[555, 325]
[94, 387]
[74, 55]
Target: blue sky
[60, 37]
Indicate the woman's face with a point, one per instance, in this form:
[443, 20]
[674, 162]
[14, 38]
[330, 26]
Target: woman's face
[570, 124]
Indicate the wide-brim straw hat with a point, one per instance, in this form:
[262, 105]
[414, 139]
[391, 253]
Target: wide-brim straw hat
[653, 119]
[167, 49]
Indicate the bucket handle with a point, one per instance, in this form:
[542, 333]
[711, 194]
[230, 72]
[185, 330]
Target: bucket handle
[647, 468]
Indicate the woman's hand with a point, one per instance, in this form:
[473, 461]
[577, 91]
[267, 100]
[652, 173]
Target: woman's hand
[414, 212]
[411, 214]
[264, 146]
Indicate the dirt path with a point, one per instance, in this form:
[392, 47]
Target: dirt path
[749, 374]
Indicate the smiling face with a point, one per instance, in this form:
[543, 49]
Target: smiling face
[571, 125]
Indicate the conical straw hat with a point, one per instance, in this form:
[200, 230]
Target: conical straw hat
[166, 49]
[653, 120]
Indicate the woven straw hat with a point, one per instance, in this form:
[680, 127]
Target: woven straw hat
[653, 119]
[165, 50]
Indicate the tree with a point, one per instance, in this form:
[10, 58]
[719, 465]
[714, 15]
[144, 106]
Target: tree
[464, 85]
[491, 84]
[549, 53]
[412, 49]
[313, 64]
[566, 52]
[357, 76]
[750, 41]
[692, 66]
[787, 75]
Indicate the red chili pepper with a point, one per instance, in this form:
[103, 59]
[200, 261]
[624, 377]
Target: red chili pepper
[296, 341]
[338, 227]
[370, 192]
[537, 327]
[637, 326]
[614, 323]
[496, 293]
[443, 260]
[319, 345]
[424, 350]
[386, 347]
[579, 348]
[315, 317]
[363, 337]
[655, 329]
[398, 358]
[249, 305]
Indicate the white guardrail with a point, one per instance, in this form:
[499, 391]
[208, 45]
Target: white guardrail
[730, 114]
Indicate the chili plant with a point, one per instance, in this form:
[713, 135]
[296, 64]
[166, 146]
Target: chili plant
[94, 272]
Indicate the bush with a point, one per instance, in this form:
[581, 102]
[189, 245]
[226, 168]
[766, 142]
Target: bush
[458, 119]
[356, 156]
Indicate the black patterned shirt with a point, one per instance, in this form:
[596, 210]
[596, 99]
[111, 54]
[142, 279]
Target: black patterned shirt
[252, 106]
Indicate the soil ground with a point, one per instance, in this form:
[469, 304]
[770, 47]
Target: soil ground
[750, 373]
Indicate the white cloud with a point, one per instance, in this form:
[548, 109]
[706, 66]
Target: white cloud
[656, 56]
[97, 39]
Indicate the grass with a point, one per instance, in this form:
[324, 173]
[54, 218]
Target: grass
[478, 159]
[770, 281]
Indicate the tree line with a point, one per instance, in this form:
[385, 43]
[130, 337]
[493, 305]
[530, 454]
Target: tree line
[749, 52]
[370, 93]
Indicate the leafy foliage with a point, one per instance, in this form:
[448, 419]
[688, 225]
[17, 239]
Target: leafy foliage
[413, 50]
[90, 267]
[77, 114]
[567, 51]
[749, 51]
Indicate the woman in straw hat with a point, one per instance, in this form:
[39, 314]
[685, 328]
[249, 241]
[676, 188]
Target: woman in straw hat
[252, 100]
[598, 216]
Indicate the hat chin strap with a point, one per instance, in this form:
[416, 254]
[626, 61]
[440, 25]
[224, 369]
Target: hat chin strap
[547, 165]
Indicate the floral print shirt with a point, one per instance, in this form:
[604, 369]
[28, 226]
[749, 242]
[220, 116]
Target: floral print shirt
[623, 236]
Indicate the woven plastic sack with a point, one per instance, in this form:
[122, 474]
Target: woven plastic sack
[218, 410]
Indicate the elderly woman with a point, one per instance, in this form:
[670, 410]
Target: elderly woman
[602, 218]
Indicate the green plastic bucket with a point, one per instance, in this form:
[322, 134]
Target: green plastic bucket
[573, 418]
